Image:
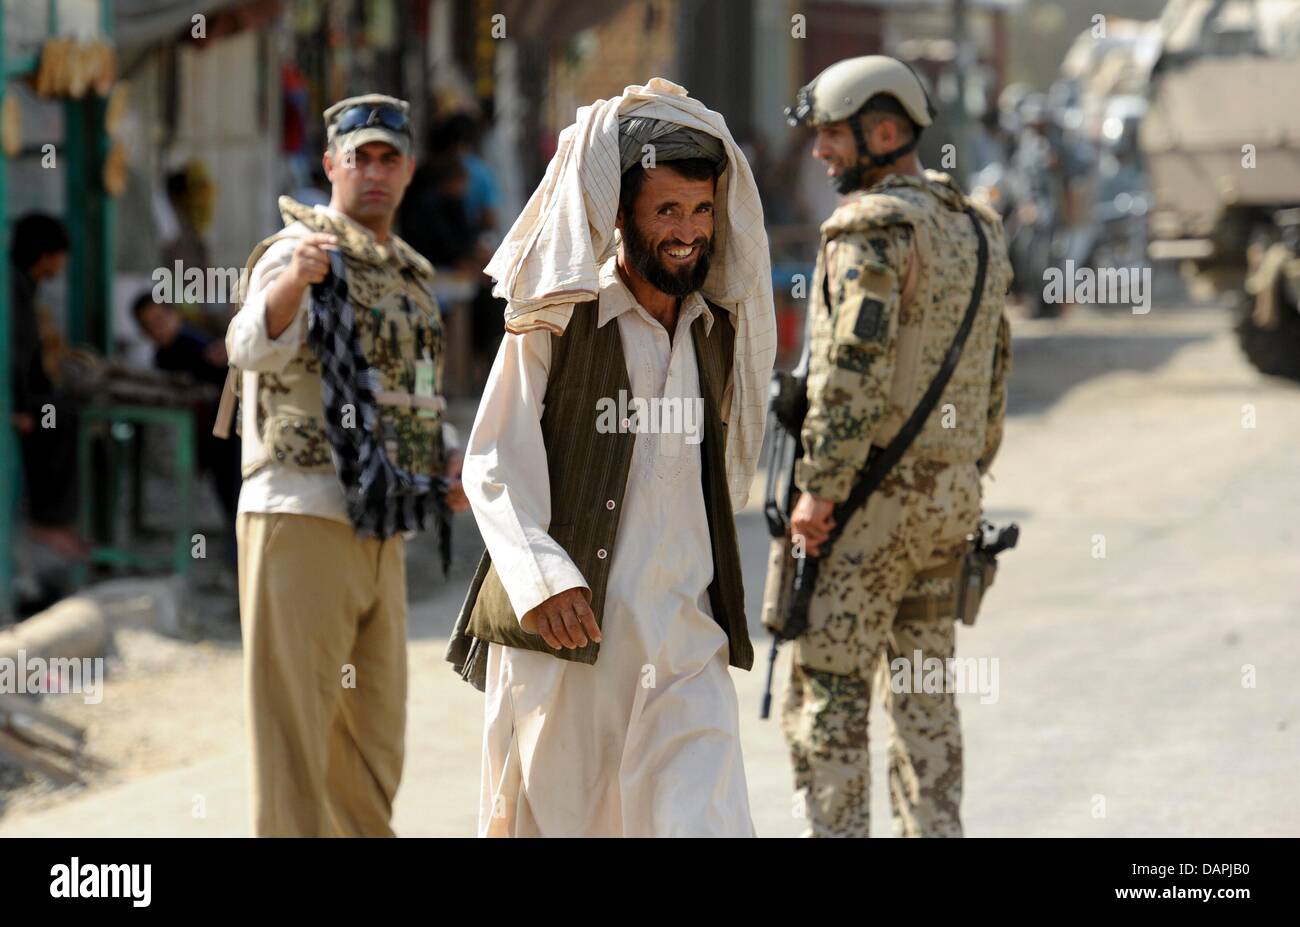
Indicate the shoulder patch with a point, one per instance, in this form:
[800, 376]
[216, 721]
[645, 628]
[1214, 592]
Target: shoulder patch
[870, 314]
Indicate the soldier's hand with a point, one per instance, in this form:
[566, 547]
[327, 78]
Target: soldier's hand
[812, 519]
[563, 620]
[311, 262]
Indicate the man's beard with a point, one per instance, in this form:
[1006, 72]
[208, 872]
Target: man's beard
[645, 260]
[856, 177]
[862, 174]
[849, 179]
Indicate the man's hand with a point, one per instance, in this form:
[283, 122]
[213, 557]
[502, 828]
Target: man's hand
[310, 264]
[457, 501]
[24, 422]
[563, 620]
[812, 519]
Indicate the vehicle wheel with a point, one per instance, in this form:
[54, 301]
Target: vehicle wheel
[1274, 351]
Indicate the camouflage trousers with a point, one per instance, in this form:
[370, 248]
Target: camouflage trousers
[918, 519]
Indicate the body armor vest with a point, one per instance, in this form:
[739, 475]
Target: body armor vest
[399, 329]
[932, 308]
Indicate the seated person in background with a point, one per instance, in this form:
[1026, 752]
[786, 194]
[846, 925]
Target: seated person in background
[182, 348]
[45, 420]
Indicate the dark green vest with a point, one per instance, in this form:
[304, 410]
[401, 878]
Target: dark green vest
[589, 469]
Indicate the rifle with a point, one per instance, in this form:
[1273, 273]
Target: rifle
[788, 405]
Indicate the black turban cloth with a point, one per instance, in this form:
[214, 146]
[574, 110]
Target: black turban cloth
[672, 142]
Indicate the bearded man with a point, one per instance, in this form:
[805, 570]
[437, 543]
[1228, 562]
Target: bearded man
[609, 603]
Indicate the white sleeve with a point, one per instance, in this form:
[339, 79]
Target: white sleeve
[506, 477]
[248, 345]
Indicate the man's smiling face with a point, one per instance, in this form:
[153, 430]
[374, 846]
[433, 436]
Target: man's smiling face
[835, 147]
[668, 231]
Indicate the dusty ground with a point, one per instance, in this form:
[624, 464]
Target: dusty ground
[1121, 707]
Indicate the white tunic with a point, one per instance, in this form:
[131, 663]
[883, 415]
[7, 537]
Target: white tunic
[646, 742]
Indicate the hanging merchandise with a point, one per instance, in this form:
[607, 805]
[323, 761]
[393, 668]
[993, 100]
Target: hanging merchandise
[69, 68]
[116, 108]
[11, 126]
[115, 173]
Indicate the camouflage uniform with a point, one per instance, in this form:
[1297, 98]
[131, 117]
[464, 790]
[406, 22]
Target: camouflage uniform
[397, 324]
[898, 263]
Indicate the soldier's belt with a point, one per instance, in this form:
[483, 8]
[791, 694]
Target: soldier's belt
[401, 400]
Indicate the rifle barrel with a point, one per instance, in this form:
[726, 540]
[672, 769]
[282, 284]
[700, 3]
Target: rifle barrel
[766, 710]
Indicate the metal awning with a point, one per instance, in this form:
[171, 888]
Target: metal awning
[143, 22]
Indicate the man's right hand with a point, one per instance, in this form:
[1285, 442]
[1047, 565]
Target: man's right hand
[563, 620]
[309, 264]
[311, 261]
[813, 518]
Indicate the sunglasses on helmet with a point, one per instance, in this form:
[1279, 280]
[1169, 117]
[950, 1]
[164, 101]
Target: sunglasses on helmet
[361, 117]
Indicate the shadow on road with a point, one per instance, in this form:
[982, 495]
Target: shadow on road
[1048, 366]
[435, 601]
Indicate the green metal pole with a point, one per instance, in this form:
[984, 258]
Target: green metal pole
[89, 216]
[107, 240]
[8, 440]
[80, 569]
[181, 557]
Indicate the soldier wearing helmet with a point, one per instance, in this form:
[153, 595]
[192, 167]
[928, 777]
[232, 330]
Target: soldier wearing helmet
[855, 103]
[897, 272]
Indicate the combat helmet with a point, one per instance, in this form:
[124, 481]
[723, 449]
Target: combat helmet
[843, 90]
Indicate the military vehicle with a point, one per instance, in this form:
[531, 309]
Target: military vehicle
[1221, 140]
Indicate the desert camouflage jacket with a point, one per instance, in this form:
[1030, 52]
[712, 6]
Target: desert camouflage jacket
[894, 277]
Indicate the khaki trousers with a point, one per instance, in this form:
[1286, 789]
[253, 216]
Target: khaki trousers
[916, 520]
[324, 626]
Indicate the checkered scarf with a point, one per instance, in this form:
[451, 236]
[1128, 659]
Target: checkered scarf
[382, 498]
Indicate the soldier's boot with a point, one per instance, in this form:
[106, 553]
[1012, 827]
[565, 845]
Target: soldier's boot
[925, 751]
[824, 718]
